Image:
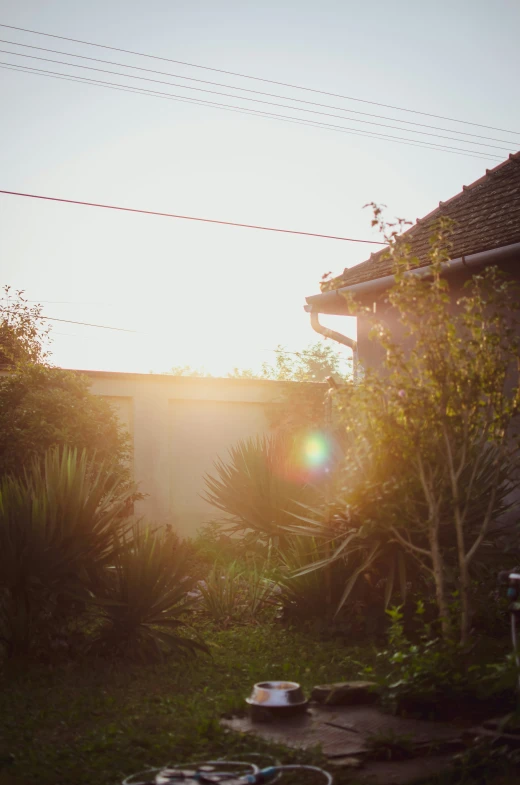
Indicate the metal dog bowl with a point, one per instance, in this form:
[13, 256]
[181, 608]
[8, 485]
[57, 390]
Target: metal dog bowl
[276, 698]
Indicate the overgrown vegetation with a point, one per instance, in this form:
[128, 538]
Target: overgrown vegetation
[390, 489]
[431, 448]
[58, 524]
[73, 568]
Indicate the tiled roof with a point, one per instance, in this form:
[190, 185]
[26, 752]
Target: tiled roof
[487, 215]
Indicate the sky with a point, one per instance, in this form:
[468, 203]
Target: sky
[214, 296]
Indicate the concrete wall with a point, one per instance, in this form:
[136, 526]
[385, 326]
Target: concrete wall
[179, 426]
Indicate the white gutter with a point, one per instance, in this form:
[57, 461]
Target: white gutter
[333, 302]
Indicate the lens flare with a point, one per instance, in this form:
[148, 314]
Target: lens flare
[307, 457]
[316, 451]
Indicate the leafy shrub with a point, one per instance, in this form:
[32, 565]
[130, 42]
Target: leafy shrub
[143, 599]
[426, 678]
[58, 524]
[486, 759]
[42, 407]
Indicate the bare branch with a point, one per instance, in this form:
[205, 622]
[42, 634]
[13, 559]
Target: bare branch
[407, 544]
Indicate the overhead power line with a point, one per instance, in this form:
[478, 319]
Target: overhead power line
[245, 110]
[189, 218]
[56, 302]
[255, 92]
[85, 324]
[255, 78]
[254, 100]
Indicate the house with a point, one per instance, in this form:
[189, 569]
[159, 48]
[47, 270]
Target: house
[486, 232]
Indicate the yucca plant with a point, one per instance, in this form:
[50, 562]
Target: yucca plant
[259, 487]
[310, 585]
[58, 525]
[364, 556]
[143, 599]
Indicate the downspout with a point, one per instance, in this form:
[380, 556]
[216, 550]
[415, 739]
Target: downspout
[339, 337]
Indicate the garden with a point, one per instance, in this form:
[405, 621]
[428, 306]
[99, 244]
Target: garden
[373, 541]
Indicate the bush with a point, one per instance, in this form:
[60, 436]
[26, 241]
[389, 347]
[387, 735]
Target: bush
[58, 524]
[143, 599]
[42, 407]
[433, 677]
[432, 447]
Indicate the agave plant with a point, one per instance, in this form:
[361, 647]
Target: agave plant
[259, 487]
[58, 524]
[143, 599]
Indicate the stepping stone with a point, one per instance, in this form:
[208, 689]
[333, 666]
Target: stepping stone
[346, 693]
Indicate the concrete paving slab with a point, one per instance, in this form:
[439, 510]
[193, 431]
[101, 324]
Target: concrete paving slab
[344, 730]
[343, 734]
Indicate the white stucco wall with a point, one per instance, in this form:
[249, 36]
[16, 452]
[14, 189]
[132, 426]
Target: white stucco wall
[179, 426]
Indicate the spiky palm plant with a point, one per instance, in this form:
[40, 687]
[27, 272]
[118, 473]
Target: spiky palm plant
[143, 599]
[259, 486]
[58, 525]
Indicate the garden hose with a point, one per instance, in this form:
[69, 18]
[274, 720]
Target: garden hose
[212, 772]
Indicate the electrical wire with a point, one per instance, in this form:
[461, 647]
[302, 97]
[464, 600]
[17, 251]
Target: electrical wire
[188, 217]
[244, 110]
[255, 100]
[255, 78]
[85, 324]
[58, 302]
[245, 98]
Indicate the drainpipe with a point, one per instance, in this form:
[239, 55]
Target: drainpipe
[339, 337]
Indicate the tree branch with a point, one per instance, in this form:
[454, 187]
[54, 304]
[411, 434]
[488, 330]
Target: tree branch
[407, 544]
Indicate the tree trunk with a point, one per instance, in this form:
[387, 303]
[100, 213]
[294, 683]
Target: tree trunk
[464, 583]
[465, 611]
[440, 590]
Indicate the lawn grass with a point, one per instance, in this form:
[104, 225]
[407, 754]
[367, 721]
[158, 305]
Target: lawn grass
[97, 722]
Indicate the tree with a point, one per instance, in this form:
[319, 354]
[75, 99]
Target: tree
[432, 444]
[24, 332]
[316, 363]
[41, 407]
[187, 370]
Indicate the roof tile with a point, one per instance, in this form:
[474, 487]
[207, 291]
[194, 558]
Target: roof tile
[486, 215]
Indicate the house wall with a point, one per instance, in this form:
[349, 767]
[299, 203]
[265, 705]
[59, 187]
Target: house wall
[371, 354]
[178, 427]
